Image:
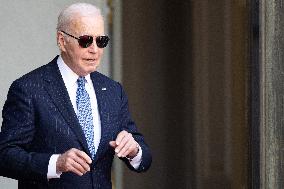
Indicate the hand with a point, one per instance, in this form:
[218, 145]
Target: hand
[125, 145]
[75, 161]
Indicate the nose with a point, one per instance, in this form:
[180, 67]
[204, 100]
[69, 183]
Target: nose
[93, 48]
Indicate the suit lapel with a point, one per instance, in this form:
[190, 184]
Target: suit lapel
[100, 90]
[57, 91]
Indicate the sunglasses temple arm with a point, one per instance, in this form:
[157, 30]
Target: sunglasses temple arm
[70, 35]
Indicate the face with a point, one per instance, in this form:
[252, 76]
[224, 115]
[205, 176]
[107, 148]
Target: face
[82, 61]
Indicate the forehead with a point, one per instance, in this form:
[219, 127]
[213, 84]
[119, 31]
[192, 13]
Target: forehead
[92, 25]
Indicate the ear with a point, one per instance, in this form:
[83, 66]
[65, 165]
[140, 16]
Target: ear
[61, 41]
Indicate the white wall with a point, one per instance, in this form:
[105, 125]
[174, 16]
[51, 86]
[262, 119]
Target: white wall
[28, 40]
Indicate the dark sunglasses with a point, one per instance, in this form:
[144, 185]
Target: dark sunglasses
[86, 40]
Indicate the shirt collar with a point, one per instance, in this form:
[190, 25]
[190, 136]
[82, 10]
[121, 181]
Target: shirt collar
[69, 77]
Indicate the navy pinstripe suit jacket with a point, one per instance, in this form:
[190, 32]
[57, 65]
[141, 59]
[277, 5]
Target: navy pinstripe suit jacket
[39, 120]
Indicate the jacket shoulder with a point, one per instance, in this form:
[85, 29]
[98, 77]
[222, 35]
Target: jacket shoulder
[99, 77]
[36, 75]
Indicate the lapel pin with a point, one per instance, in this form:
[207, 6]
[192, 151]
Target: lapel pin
[104, 89]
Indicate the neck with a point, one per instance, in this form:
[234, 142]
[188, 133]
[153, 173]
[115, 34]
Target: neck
[69, 63]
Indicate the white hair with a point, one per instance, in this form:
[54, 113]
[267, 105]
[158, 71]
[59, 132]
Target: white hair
[78, 9]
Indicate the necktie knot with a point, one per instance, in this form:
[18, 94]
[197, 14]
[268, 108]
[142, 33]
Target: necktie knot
[81, 82]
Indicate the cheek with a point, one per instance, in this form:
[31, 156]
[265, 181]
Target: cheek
[78, 56]
[101, 51]
[74, 53]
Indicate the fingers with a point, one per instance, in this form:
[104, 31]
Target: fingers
[124, 144]
[83, 155]
[122, 135]
[77, 168]
[112, 144]
[129, 147]
[75, 161]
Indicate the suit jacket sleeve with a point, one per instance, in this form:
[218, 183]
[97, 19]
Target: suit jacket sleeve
[17, 160]
[129, 125]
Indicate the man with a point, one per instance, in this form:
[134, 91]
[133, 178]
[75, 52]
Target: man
[64, 122]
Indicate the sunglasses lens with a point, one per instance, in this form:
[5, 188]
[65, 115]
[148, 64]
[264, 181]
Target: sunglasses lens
[102, 41]
[85, 41]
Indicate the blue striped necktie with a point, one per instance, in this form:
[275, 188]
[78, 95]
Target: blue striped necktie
[85, 114]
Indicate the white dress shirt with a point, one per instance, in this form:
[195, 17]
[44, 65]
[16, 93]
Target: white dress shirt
[70, 81]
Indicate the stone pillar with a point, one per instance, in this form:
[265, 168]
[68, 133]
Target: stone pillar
[272, 94]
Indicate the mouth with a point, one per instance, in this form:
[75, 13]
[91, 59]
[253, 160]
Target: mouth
[90, 60]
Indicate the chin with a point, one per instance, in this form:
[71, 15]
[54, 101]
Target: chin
[92, 69]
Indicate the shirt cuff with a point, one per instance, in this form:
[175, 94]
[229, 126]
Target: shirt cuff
[135, 162]
[51, 173]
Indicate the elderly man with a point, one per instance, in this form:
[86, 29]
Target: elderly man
[64, 122]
